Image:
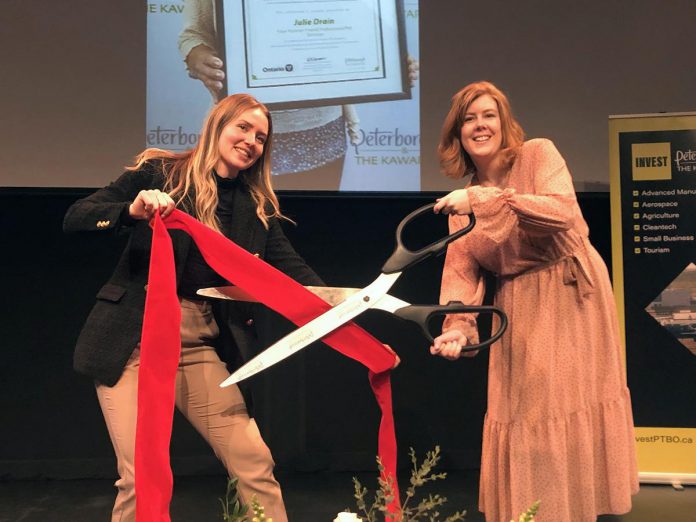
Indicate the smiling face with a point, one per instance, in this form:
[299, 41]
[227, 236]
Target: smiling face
[241, 142]
[481, 133]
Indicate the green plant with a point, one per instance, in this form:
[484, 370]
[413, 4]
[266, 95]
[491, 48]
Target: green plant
[259, 515]
[232, 508]
[427, 509]
[234, 511]
[528, 516]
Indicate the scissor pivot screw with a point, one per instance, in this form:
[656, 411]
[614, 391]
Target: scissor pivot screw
[366, 298]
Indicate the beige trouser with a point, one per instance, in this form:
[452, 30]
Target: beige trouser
[219, 415]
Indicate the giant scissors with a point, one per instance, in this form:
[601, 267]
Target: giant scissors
[353, 302]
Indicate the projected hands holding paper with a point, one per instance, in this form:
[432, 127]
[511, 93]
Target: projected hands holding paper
[310, 143]
[203, 64]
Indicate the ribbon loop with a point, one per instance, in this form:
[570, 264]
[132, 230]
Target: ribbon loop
[160, 341]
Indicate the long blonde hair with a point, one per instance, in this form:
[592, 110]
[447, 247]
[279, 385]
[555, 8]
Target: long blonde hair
[189, 174]
[455, 162]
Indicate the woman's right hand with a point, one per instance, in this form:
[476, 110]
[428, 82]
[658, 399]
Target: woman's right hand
[204, 65]
[148, 202]
[456, 202]
[449, 345]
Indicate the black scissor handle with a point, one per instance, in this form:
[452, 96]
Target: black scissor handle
[421, 315]
[403, 258]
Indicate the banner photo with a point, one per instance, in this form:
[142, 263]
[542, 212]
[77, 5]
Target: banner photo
[339, 143]
[653, 201]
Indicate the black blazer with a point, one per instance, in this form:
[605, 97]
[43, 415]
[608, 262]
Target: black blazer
[114, 325]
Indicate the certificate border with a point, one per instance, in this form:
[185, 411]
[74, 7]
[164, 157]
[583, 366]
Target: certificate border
[380, 38]
[403, 94]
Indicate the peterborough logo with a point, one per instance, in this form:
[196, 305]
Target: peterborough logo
[651, 161]
[385, 138]
[685, 160]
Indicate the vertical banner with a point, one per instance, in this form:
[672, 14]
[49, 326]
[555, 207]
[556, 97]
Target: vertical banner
[653, 216]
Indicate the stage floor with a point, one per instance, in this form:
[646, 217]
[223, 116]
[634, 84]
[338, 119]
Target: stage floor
[309, 497]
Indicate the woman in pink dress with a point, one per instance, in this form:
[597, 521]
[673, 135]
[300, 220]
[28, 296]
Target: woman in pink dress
[559, 426]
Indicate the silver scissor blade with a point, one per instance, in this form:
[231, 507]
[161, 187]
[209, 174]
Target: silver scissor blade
[389, 303]
[316, 328]
[331, 294]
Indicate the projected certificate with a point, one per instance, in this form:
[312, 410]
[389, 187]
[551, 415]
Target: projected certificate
[295, 54]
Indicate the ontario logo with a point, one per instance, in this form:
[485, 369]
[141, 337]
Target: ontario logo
[651, 161]
[286, 68]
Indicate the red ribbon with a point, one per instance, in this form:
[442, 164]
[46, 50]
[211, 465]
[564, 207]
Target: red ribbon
[161, 344]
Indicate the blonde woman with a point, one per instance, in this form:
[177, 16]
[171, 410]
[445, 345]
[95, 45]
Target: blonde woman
[225, 183]
[559, 426]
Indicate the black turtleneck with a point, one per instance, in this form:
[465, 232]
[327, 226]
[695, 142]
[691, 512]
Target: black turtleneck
[197, 274]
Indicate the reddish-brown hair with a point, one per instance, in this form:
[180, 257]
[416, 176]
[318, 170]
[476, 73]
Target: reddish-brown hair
[455, 162]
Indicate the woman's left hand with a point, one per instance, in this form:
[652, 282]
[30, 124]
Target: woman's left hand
[449, 345]
[413, 70]
[456, 202]
[203, 64]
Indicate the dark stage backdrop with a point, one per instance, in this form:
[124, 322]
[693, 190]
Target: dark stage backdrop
[316, 409]
[73, 104]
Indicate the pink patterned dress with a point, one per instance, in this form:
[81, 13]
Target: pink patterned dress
[559, 426]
